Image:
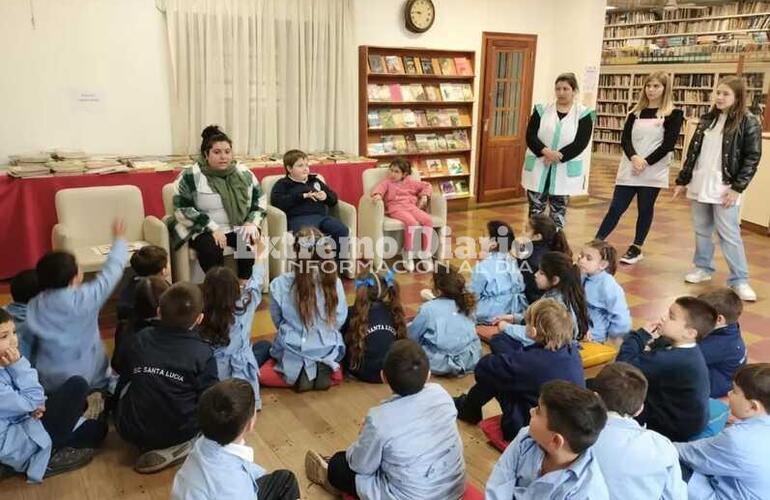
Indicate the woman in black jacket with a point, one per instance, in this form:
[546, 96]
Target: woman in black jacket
[721, 161]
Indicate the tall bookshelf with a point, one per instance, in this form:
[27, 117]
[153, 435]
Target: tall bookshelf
[418, 104]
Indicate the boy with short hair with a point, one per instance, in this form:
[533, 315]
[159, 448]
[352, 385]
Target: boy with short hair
[733, 464]
[551, 459]
[164, 370]
[63, 318]
[409, 446]
[150, 260]
[637, 464]
[24, 287]
[677, 403]
[723, 348]
[220, 464]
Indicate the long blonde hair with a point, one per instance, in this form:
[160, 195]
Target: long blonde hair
[666, 100]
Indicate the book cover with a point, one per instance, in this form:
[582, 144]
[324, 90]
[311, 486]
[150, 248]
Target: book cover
[373, 117]
[388, 145]
[406, 93]
[427, 65]
[447, 66]
[460, 186]
[447, 187]
[383, 93]
[418, 92]
[371, 92]
[432, 92]
[395, 92]
[443, 119]
[411, 143]
[410, 66]
[376, 64]
[436, 65]
[423, 142]
[463, 66]
[454, 117]
[446, 91]
[462, 137]
[398, 118]
[394, 65]
[432, 116]
[408, 118]
[421, 120]
[440, 143]
[467, 91]
[451, 142]
[433, 167]
[455, 166]
[386, 119]
[375, 148]
[400, 143]
[420, 166]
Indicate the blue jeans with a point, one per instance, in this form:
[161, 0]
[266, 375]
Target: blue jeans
[709, 216]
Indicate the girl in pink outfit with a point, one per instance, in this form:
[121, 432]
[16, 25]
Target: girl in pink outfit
[405, 200]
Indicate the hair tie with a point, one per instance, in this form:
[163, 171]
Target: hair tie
[306, 242]
[365, 282]
[389, 278]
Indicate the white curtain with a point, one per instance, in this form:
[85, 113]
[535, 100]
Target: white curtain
[274, 74]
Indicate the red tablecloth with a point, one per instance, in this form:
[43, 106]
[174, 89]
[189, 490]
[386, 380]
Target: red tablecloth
[28, 213]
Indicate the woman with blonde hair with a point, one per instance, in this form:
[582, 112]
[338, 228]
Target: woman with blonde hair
[721, 161]
[649, 135]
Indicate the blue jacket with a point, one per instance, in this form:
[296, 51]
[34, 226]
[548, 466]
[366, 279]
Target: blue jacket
[447, 335]
[19, 313]
[607, 308]
[64, 326]
[515, 374]
[732, 465]
[24, 444]
[213, 471]
[237, 359]
[296, 347]
[498, 286]
[409, 448]
[516, 476]
[724, 352]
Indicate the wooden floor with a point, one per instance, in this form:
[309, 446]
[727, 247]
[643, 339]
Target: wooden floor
[290, 424]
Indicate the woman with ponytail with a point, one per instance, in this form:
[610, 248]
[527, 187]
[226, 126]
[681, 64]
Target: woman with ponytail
[375, 321]
[217, 201]
[446, 325]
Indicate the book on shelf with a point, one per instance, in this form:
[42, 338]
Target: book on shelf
[373, 118]
[463, 66]
[411, 143]
[434, 167]
[443, 118]
[398, 118]
[418, 92]
[427, 65]
[432, 93]
[420, 118]
[436, 65]
[447, 188]
[394, 65]
[455, 166]
[388, 146]
[440, 143]
[376, 64]
[433, 117]
[386, 118]
[454, 117]
[447, 66]
[410, 66]
[460, 186]
[408, 117]
[395, 92]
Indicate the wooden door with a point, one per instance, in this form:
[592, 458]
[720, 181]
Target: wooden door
[508, 62]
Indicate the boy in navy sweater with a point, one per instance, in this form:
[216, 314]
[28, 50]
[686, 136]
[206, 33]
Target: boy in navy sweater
[723, 348]
[513, 374]
[677, 403]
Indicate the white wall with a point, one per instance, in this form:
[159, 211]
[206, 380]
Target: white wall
[114, 49]
[569, 33]
[117, 49]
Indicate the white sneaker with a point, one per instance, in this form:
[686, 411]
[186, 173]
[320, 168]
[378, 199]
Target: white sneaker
[745, 292]
[697, 275]
[426, 294]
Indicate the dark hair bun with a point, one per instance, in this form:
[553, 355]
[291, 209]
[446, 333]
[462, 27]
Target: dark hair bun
[210, 131]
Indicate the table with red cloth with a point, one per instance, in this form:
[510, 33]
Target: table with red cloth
[28, 213]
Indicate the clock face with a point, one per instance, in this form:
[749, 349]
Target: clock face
[420, 14]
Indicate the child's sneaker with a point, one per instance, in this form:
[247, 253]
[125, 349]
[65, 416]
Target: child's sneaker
[317, 471]
[463, 412]
[157, 460]
[67, 459]
[632, 255]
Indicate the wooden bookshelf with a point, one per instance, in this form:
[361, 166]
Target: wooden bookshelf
[427, 119]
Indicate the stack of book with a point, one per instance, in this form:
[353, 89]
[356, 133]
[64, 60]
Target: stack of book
[419, 118]
[412, 65]
[415, 92]
[420, 143]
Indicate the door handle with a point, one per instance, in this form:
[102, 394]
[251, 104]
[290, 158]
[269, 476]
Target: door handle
[486, 125]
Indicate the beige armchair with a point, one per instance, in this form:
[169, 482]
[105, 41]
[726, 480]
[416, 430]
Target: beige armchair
[375, 224]
[85, 222]
[184, 263]
[276, 221]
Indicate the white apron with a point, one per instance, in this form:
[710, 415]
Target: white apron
[646, 136]
[566, 178]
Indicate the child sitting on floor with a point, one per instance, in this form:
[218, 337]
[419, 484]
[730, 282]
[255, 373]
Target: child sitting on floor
[405, 200]
[677, 403]
[513, 374]
[496, 281]
[734, 463]
[445, 326]
[228, 313]
[637, 463]
[24, 287]
[150, 260]
[41, 436]
[220, 464]
[605, 298]
[560, 279]
[723, 348]
[164, 370]
[552, 458]
[374, 323]
[541, 236]
[409, 446]
[308, 308]
[63, 318]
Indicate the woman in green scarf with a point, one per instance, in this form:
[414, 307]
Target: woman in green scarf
[217, 202]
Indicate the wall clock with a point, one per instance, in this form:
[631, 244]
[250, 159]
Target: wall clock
[419, 15]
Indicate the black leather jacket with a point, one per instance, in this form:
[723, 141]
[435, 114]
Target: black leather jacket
[740, 153]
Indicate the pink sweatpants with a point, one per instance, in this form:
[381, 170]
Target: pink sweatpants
[414, 218]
